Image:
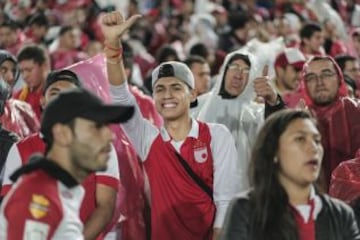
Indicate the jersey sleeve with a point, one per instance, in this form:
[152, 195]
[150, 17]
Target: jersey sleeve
[111, 176]
[227, 181]
[28, 215]
[139, 130]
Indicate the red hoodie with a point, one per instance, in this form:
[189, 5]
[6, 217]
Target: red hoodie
[339, 124]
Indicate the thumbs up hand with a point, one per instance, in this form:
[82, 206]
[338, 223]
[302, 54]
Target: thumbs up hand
[113, 26]
[264, 89]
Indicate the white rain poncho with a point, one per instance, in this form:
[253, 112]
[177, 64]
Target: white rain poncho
[241, 115]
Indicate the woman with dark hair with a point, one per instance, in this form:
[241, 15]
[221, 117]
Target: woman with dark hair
[283, 203]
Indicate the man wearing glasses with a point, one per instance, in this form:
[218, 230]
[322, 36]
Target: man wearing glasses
[338, 115]
[232, 103]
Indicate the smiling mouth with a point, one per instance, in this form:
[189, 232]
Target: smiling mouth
[169, 105]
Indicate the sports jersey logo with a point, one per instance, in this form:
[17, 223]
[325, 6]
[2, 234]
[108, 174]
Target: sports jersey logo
[200, 152]
[39, 206]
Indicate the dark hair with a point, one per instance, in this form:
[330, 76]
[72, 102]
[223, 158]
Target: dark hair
[199, 49]
[194, 59]
[39, 19]
[238, 20]
[10, 24]
[33, 52]
[342, 59]
[65, 29]
[309, 29]
[61, 75]
[166, 51]
[271, 217]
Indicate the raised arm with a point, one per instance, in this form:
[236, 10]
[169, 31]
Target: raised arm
[113, 26]
[140, 132]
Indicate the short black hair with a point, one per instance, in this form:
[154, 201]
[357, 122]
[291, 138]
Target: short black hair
[342, 59]
[10, 24]
[65, 29]
[194, 59]
[33, 52]
[199, 49]
[238, 20]
[166, 51]
[39, 19]
[309, 29]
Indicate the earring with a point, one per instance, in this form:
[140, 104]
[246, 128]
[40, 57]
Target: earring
[276, 159]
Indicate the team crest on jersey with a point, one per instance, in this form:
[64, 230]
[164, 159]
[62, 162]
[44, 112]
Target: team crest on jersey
[39, 206]
[200, 152]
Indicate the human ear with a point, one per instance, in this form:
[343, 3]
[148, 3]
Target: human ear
[62, 134]
[193, 95]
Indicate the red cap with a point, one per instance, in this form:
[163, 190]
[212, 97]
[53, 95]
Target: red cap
[290, 56]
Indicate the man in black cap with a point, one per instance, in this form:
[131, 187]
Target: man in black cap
[45, 202]
[101, 188]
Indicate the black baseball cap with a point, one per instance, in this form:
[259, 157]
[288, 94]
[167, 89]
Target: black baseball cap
[80, 103]
[61, 75]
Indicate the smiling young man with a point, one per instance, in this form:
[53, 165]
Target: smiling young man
[338, 115]
[288, 65]
[191, 165]
[45, 201]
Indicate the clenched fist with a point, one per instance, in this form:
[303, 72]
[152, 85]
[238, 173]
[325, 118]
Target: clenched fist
[113, 26]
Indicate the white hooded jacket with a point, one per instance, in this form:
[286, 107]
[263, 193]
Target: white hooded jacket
[242, 115]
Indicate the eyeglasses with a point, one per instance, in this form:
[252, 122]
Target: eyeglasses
[236, 68]
[312, 77]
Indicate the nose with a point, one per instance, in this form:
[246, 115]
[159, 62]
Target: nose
[11, 77]
[314, 146]
[167, 93]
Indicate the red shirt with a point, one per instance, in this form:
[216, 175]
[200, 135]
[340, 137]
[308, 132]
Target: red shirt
[180, 209]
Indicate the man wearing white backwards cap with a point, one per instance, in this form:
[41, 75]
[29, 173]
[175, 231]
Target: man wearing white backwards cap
[288, 66]
[191, 165]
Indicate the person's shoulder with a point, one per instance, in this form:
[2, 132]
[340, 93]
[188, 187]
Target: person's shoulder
[38, 179]
[335, 205]
[35, 196]
[351, 102]
[35, 183]
[218, 127]
[30, 138]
